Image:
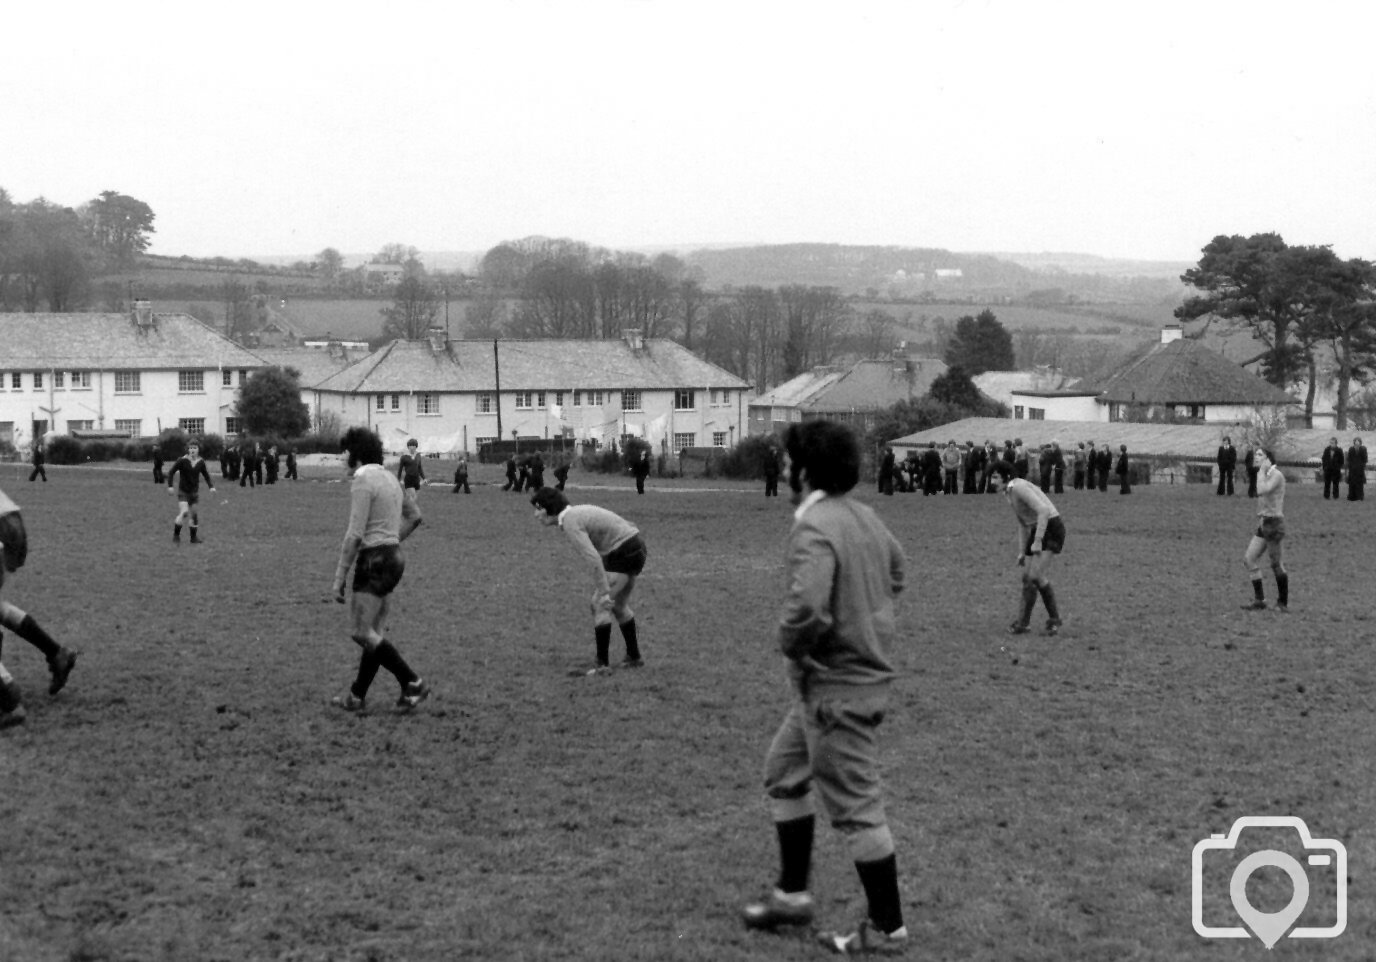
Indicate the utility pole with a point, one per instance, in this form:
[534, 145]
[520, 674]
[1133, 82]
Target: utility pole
[497, 400]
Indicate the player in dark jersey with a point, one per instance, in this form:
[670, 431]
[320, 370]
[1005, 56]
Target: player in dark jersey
[188, 472]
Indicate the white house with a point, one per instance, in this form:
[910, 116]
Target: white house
[1175, 375]
[455, 395]
[134, 373]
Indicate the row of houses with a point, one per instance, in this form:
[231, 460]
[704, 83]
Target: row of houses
[137, 374]
[141, 373]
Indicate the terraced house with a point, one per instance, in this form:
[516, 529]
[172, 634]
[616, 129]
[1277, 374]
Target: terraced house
[456, 395]
[134, 373]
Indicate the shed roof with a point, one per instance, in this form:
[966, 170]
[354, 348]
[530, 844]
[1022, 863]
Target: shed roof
[865, 385]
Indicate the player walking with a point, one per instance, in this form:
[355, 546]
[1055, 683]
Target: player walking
[188, 472]
[1041, 536]
[837, 632]
[380, 518]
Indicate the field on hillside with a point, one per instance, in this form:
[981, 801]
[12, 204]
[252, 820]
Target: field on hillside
[1106, 319]
[192, 795]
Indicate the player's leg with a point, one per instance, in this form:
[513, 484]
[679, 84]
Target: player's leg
[1039, 573]
[788, 784]
[1251, 559]
[1277, 553]
[60, 660]
[846, 772]
[602, 620]
[183, 513]
[622, 585]
[11, 706]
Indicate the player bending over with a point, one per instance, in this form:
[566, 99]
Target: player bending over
[612, 546]
[1041, 536]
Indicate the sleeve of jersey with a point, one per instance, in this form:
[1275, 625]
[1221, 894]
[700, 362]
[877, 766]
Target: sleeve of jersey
[807, 612]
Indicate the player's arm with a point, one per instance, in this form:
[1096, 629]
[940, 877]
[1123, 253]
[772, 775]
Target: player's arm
[1269, 481]
[898, 566]
[807, 614]
[588, 551]
[205, 473]
[172, 474]
[360, 501]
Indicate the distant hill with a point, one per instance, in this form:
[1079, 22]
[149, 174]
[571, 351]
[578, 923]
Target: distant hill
[912, 273]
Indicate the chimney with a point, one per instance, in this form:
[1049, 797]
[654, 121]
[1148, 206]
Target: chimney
[634, 337]
[143, 313]
[437, 339]
[1171, 332]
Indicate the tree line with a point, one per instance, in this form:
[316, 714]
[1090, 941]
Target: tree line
[49, 253]
[1309, 308]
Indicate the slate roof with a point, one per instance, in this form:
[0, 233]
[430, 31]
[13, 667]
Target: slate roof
[1184, 372]
[315, 364]
[469, 366]
[113, 342]
[866, 385]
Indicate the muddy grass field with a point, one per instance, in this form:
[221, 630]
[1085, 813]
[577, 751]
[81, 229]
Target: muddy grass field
[192, 796]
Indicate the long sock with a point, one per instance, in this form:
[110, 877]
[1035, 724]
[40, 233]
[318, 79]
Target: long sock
[603, 636]
[1256, 589]
[795, 852]
[28, 630]
[177, 532]
[1049, 599]
[880, 879]
[388, 657]
[1282, 588]
[368, 665]
[1029, 600]
[632, 641]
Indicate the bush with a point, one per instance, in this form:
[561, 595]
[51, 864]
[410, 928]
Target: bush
[603, 461]
[746, 460]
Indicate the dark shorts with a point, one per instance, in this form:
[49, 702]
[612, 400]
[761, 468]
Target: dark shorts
[378, 570]
[1271, 530]
[411, 482]
[190, 497]
[627, 558]
[1053, 540]
[15, 540]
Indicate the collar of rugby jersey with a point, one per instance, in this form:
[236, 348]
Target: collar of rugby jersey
[560, 519]
[808, 502]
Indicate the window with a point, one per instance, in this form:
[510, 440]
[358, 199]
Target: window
[539, 399]
[134, 427]
[226, 379]
[718, 439]
[630, 401]
[38, 380]
[127, 382]
[243, 378]
[16, 380]
[685, 440]
[192, 425]
[381, 404]
[81, 380]
[597, 398]
[578, 399]
[522, 400]
[1017, 412]
[83, 425]
[559, 398]
[684, 400]
[2, 382]
[191, 382]
[484, 403]
[232, 425]
[427, 404]
[396, 402]
[1036, 414]
[720, 397]
[7, 432]
[59, 380]
[795, 415]
[479, 442]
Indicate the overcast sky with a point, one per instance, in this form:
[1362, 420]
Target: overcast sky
[1135, 130]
